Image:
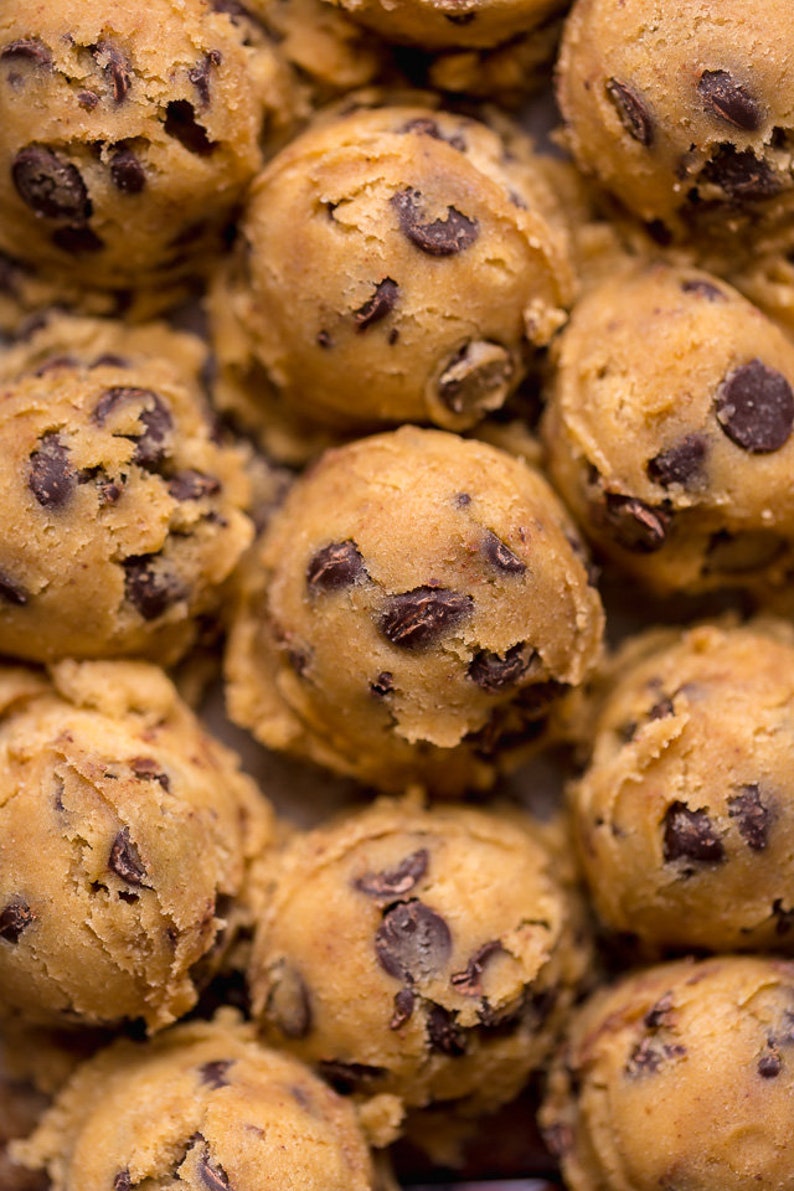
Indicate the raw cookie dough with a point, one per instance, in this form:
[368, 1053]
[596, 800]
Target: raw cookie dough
[669, 427]
[430, 954]
[114, 494]
[685, 816]
[127, 135]
[438, 24]
[680, 1076]
[125, 832]
[396, 264]
[203, 1107]
[686, 112]
[418, 602]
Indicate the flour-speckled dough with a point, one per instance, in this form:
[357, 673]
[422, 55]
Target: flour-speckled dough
[202, 1107]
[127, 134]
[669, 430]
[437, 24]
[430, 954]
[686, 112]
[114, 494]
[418, 602]
[680, 1076]
[125, 832]
[685, 815]
[396, 264]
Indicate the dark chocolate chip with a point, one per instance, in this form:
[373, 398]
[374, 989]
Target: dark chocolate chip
[752, 817]
[126, 171]
[404, 1002]
[77, 241]
[12, 591]
[691, 835]
[51, 478]
[636, 526]
[154, 417]
[52, 363]
[110, 360]
[214, 1073]
[151, 586]
[391, 883]
[125, 860]
[193, 485]
[115, 67]
[324, 340]
[412, 942]
[659, 1014]
[469, 981]
[703, 289]
[650, 1055]
[662, 708]
[426, 126]
[148, 770]
[346, 1078]
[500, 555]
[741, 175]
[770, 1064]
[181, 124]
[441, 237]
[443, 1033]
[200, 75]
[633, 113]
[682, 463]
[492, 672]
[15, 918]
[414, 619]
[478, 378]
[383, 684]
[462, 500]
[378, 306]
[50, 186]
[87, 100]
[123, 1180]
[729, 100]
[755, 408]
[335, 566]
[27, 49]
[288, 1002]
[212, 1174]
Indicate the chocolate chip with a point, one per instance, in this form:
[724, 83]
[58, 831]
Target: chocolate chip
[469, 981]
[324, 340]
[126, 171]
[335, 566]
[462, 500]
[770, 1065]
[426, 126]
[633, 114]
[477, 379]
[741, 174]
[115, 67]
[414, 619]
[383, 684]
[682, 463]
[635, 525]
[154, 417]
[193, 485]
[492, 672]
[212, 1174]
[288, 1002]
[200, 75]
[650, 1055]
[662, 708]
[214, 1073]
[442, 237]
[752, 817]
[729, 100]
[123, 1180]
[151, 586]
[703, 289]
[110, 360]
[148, 770]
[181, 124]
[412, 942]
[28, 49]
[50, 186]
[755, 408]
[659, 1013]
[404, 1002]
[378, 306]
[443, 1033]
[500, 555]
[391, 883]
[346, 1078]
[15, 918]
[690, 835]
[125, 860]
[12, 591]
[77, 241]
[51, 479]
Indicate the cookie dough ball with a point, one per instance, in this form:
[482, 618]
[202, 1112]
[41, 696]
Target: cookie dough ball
[685, 816]
[438, 24]
[669, 430]
[396, 264]
[425, 953]
[127, 136]
[679, 1076]
[417, 601]
[202, 1106]
[115, 497]
[686, 113]
[125, 832]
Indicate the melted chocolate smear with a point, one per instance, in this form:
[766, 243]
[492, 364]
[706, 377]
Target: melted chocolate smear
[126, 171]
[755, 408]
[181, 124]
[335, 566]
[682, 463]
[729, 100]
[752, 817]
[633, 113]
[690, 835]
[50, 186]
[418, 618]
[378, 306]
[51, 478]
[442, 237]
[125, 860]
[492, 672]
[15, 918]
[413, 942]
[392, 883]
[149, 588]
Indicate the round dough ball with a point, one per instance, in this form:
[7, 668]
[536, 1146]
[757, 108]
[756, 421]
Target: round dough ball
[685, 816]
[115, 496]
[686, 112]
[127, 135]
[417, 601]
[437, 24]
[679, 1076]
[202, 1106]
[669, 430]
[125, 832]
[430, 954]
[396, 264]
